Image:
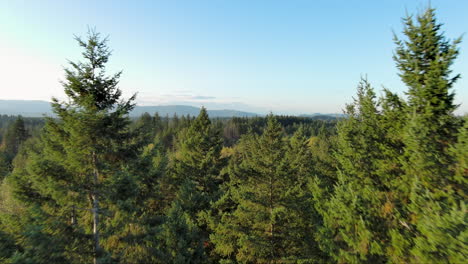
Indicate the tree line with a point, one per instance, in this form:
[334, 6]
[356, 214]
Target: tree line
[385, 184]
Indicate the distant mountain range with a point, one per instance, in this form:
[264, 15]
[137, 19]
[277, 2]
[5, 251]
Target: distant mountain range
[323, 116]
[170, 110]
[28, 108]
[34, 108]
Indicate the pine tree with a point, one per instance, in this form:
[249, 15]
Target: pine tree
[459, 152]
[11, 212]
[305, 221]
[386, 206]
[71, 175]
[439, 215]
[435, 198]
[355, 213]
[14, 137]
[424, 61]
[264, 215]
[181, 239]
[5, 165]
[7, 246]
[145, 129]
[198, 158]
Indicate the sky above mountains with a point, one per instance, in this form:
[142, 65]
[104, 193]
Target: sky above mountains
[283, 56]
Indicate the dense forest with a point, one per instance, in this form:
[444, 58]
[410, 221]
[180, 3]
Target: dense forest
[386, 183]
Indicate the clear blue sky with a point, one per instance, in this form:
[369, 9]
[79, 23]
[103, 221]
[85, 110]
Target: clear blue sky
[284, 56]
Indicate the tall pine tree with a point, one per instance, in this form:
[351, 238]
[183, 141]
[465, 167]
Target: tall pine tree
[264, 215]
[358, 211]
[436, 194]
[70, 177]
[196, 160]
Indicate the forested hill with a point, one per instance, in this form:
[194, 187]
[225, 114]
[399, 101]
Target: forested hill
[27, 108]
[36, 108]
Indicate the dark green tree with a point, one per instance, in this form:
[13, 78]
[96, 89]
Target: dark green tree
[70, 177]
[7, 246]
[436, 194]
[197, 158]
[5, 165]
[13, 138]
[357, 214]
[145, 129]
[15, 135]
[424, 60]
[264, 215]
[181, 240]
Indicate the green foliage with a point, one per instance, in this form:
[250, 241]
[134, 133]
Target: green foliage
[264, 216]
[15, 135]
[181, 239]
[7, 246]
[436, 198]
[398, 196]
[387, 184]
[357, 212]
[424, 59]
[5, 165]
[197, 158]
[90, 138]
[13, 138]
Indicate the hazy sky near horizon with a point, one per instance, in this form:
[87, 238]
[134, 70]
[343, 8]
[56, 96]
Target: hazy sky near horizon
[285, 56]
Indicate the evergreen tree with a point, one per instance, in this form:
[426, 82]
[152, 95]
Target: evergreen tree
[198, 158]
[435, 197]
[389, 207]
[15, 135]
[305, 223]
[7, 246]
[438, 216]
[70, 177]
[13, 138]
[459, 152]
[181, 238]
[263, 216]
[424, 61]
[388, 184]
[356, 215]
[5, 166]
[145, 129]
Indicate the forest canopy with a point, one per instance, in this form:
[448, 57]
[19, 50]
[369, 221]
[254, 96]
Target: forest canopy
[386, 183]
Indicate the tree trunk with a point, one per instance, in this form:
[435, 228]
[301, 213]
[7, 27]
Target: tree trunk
[272, 226]
[95, 210]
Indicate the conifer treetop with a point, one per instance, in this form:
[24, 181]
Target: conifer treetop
[424, 59]
[86, 83]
